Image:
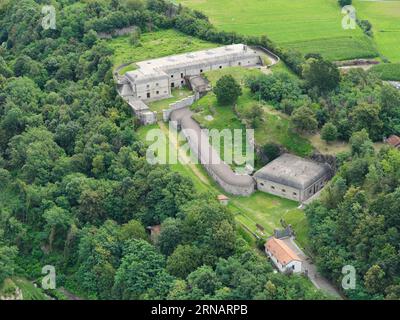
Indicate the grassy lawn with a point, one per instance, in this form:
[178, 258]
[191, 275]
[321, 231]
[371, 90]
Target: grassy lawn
[307, 25]
[154, 45]
[267, 211]
[331, 148]
[388, 71]
[385, 19]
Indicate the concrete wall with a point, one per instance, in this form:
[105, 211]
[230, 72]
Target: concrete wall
[293, 266]
[183, 103]
[242, 190]
[290, 192]
[314, 188]
[277, 189]
[148, 117]
[160, 87]
[157, 89]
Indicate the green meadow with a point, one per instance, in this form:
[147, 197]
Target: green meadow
[385, 19]
[305, 25]
[388, 71]
[154, 45]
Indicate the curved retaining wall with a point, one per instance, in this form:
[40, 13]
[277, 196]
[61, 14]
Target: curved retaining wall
[236, 184]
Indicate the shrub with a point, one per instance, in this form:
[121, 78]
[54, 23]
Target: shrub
[227, 90]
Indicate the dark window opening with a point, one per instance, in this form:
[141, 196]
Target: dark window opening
[220, 67]
[201, 70]
[182, 75]
[239, 63]
[272, 187]
[172, 75]
[283, 190]
[172, 85]
[182, 82]
[148, 94]
[157, 92]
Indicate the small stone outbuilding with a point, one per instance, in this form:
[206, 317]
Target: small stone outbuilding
[292, 177]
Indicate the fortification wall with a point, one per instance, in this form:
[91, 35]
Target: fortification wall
[183, 103]
[220, 171]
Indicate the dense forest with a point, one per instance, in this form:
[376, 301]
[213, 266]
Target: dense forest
[76, 190]
[322, 99]
[357, 221]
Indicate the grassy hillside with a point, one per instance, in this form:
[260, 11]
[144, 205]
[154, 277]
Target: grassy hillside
[275, 129]
[154, 45]
[28, 290]
[306, 25]
[385, 19]
[388, 71]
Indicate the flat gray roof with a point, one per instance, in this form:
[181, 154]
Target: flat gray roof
[151, 69]
[292, 171]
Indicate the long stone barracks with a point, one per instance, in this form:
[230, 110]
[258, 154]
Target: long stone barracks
[154, 79]
[292, 177]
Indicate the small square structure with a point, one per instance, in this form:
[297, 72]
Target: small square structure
[292, 177]
[224, 200]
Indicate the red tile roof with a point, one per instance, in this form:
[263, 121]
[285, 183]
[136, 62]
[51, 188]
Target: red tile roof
[222, 197]
[281, 251]
[394, 141]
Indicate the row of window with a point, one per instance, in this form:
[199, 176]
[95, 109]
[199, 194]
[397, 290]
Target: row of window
[283, 190]
[201, 70]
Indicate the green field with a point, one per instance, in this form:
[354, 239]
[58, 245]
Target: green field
[385, 19]
[154, 45]
[388, 71]
[267, 211]
[306, 25]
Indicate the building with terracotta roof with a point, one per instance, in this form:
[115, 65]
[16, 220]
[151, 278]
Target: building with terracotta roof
[284, 258]
[394, 141]
[223, 199]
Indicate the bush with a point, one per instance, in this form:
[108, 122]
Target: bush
[304, 120]
[271, 151]
[227, 90]
[329, 132]
[343, 3]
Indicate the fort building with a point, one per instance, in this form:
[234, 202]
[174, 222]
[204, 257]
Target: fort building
[292, 177]
[154, 79]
